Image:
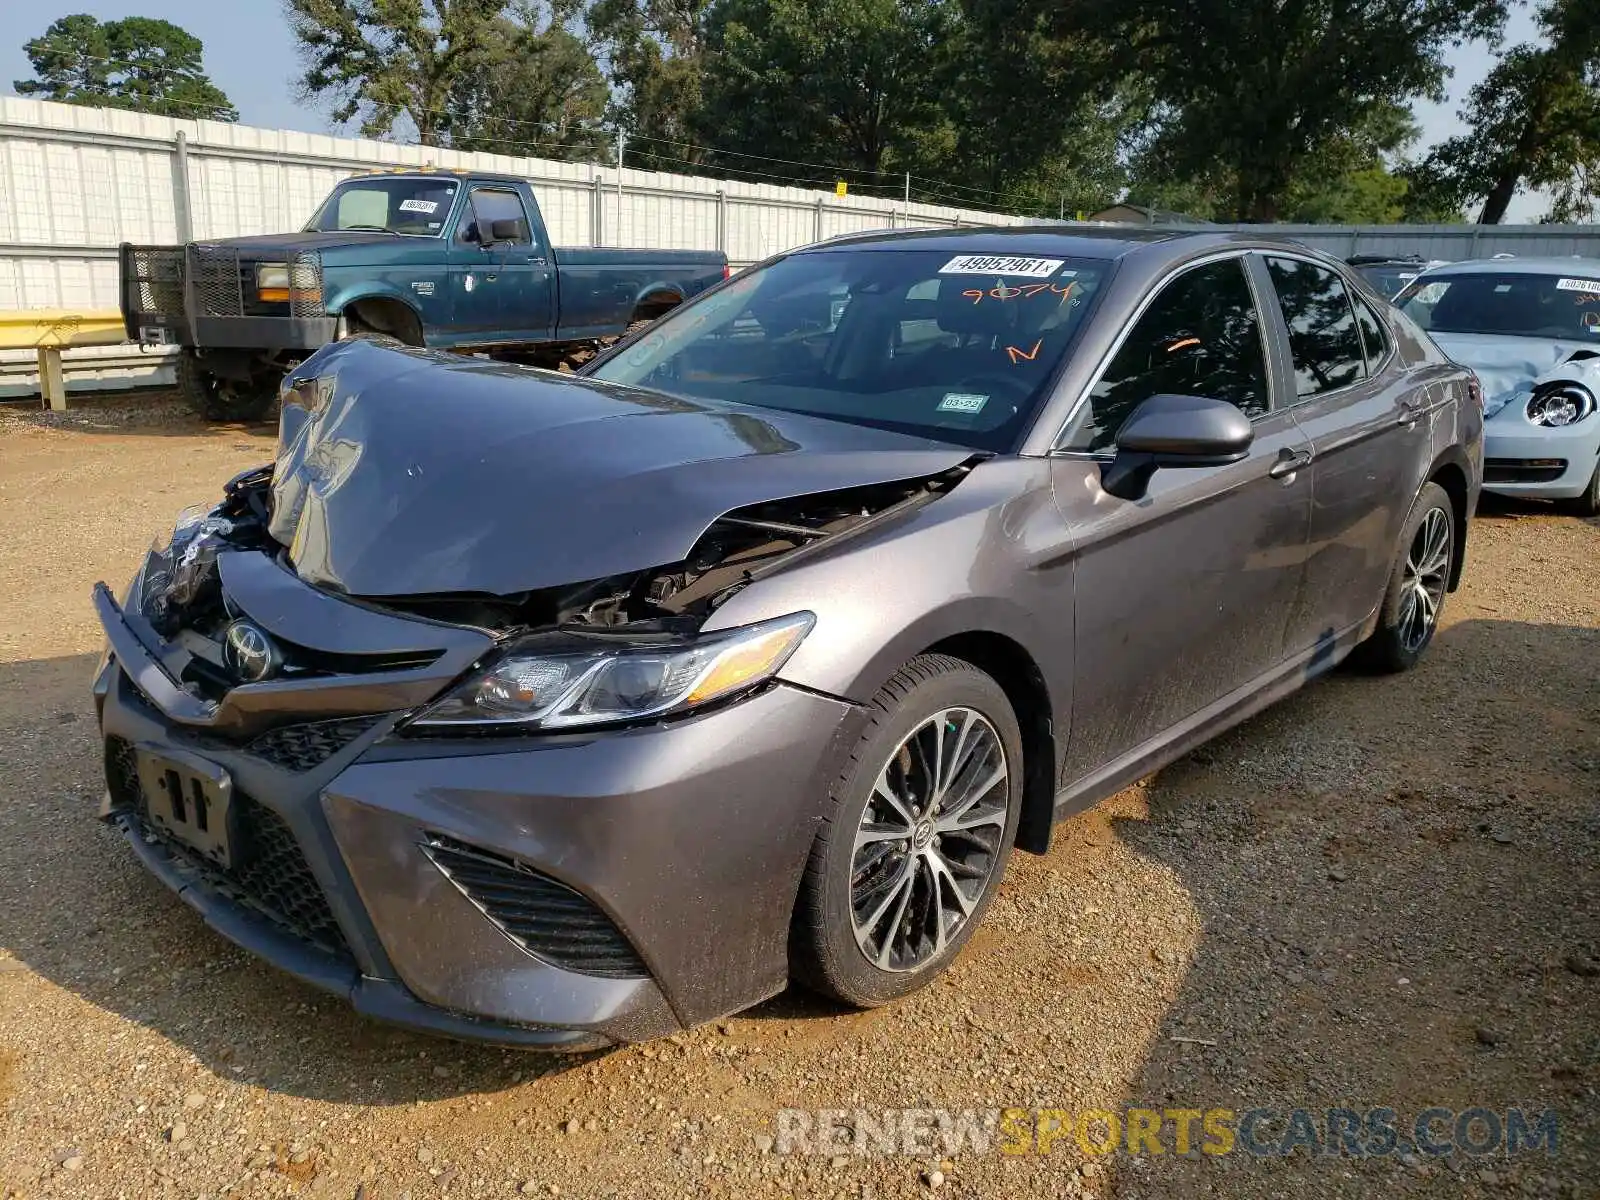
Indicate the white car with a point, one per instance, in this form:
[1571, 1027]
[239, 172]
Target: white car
[1530, 329]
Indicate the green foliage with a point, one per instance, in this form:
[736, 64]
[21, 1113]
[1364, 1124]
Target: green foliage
[655, 51]
[1244, 92]
[477, 74]
[1535, 121]
[137, 63]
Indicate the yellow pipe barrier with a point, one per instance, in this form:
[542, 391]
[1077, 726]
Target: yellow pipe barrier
[50, 330]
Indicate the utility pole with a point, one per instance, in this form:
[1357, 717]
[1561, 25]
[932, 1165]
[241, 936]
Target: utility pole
[622, 140]
[1063, 207]
[908, 189]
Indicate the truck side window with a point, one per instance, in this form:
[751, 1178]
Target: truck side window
[485, 207]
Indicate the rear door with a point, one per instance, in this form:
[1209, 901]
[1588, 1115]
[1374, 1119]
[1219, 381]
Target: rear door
[1182, 597]
[501, 288]
[1369, 433]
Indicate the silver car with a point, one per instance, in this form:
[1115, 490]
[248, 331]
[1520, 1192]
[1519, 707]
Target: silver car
[561, 711]
[1530, 328]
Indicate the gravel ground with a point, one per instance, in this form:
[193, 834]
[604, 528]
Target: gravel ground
[1382, 892]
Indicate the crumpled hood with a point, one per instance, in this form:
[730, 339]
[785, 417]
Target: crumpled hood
[1506, 366]
[404, 472]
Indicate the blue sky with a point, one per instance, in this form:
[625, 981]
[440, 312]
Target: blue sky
[251, 56]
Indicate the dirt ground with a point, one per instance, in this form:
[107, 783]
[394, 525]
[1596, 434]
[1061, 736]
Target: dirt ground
[1380, 893]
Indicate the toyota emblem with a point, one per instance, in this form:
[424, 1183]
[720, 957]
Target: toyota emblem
[249, 652]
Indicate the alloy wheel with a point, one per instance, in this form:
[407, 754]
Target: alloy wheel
[1426, 575]
[929, 839]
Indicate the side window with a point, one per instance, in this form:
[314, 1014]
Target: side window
[1374, 338]
[1323, 339]
[485, 206]
[1200, 337]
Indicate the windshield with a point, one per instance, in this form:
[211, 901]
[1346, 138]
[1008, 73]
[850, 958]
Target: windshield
[954, 347]
[417, 207]
[1387, 279]
[1516, 303]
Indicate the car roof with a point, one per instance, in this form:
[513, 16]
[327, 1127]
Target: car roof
[1519, 266]
[1066, 241]
[435, 172]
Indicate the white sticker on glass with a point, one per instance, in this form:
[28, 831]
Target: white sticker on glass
[995, 264]
[1591, 286]
[421, 206]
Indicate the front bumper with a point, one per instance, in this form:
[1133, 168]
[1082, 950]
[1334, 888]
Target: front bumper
[204, 296]
[680, 846]
[1524, 459]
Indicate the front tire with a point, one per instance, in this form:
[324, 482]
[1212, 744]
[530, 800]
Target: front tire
[218, 399]
[1588, 504]
[1414, 601]
[915, 838]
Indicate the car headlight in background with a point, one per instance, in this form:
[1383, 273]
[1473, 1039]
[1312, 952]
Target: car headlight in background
[272, 281]
[565, 681]
[1560, 404]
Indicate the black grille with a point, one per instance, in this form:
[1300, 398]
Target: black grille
[1523, 470]
[547, 919]
[155, 279]
[301, 747]
[270, 875]
[216, 279]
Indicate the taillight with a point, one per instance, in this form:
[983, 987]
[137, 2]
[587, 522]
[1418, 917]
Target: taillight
[727, 271]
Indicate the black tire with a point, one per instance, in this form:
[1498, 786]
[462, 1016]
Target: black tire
[1398, 643]
[824, 952]
[218, 399]
[1588, 504]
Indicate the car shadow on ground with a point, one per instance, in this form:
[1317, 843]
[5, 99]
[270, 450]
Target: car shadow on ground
[1404, 915]
[1394, 868]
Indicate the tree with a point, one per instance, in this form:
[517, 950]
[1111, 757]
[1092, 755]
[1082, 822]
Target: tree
[137, 63]
[1254, 90]
[383, 62]
[535, 89]
[1534, 121]
[850, 82]
[655, 51]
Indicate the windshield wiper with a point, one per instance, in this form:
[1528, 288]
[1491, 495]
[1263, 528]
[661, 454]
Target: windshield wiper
[373, 228]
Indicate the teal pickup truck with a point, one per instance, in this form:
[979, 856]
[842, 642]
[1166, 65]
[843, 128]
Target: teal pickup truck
[448, 259]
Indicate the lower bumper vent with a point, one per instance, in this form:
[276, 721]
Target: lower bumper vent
[547, 919]
[270, 875]
[1523, 470]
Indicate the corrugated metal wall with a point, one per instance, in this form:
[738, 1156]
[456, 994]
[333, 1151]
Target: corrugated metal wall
[1451, 243]
[75, 182]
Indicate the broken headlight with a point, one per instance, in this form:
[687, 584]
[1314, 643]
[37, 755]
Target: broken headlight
[1561, 404]
[559, 682]
[181, 566]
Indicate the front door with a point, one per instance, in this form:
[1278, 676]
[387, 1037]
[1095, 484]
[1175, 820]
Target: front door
[1182, 597]
[500, 278]
[1369, 434]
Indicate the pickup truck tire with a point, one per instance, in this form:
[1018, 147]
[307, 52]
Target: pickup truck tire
[218, 399]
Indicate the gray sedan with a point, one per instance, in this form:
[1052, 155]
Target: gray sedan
[566, 711]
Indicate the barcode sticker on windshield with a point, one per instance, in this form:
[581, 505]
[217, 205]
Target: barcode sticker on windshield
[962, 402]
[992, 264]
[1591, 286]
[421, 206]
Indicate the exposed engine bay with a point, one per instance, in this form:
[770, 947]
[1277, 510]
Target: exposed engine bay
[181, 589]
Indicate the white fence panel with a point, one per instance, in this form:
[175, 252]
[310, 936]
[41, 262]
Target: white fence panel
[75, 182]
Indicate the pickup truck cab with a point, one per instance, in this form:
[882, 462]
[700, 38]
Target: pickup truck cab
[447, 259]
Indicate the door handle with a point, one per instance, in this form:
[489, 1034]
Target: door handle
[1409, 412]
[1289, 461]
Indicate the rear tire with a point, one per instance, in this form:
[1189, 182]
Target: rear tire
[880, 916]
[1588, 504]
[1414, 601]
[218, 399]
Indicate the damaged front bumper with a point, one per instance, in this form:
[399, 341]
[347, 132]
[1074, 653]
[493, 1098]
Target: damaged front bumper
[560, 892]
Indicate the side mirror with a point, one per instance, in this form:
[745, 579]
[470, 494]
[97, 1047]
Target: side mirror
[513, 229]
[1175, 431]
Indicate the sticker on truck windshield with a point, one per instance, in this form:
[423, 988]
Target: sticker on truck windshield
[962, 402]
[421, 206]
[1592, 286]
[993, 264]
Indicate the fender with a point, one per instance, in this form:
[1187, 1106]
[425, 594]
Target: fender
[374, 289]
[661, 288]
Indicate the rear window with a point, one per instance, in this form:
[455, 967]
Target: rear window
[957, 347]
[1516, 303]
